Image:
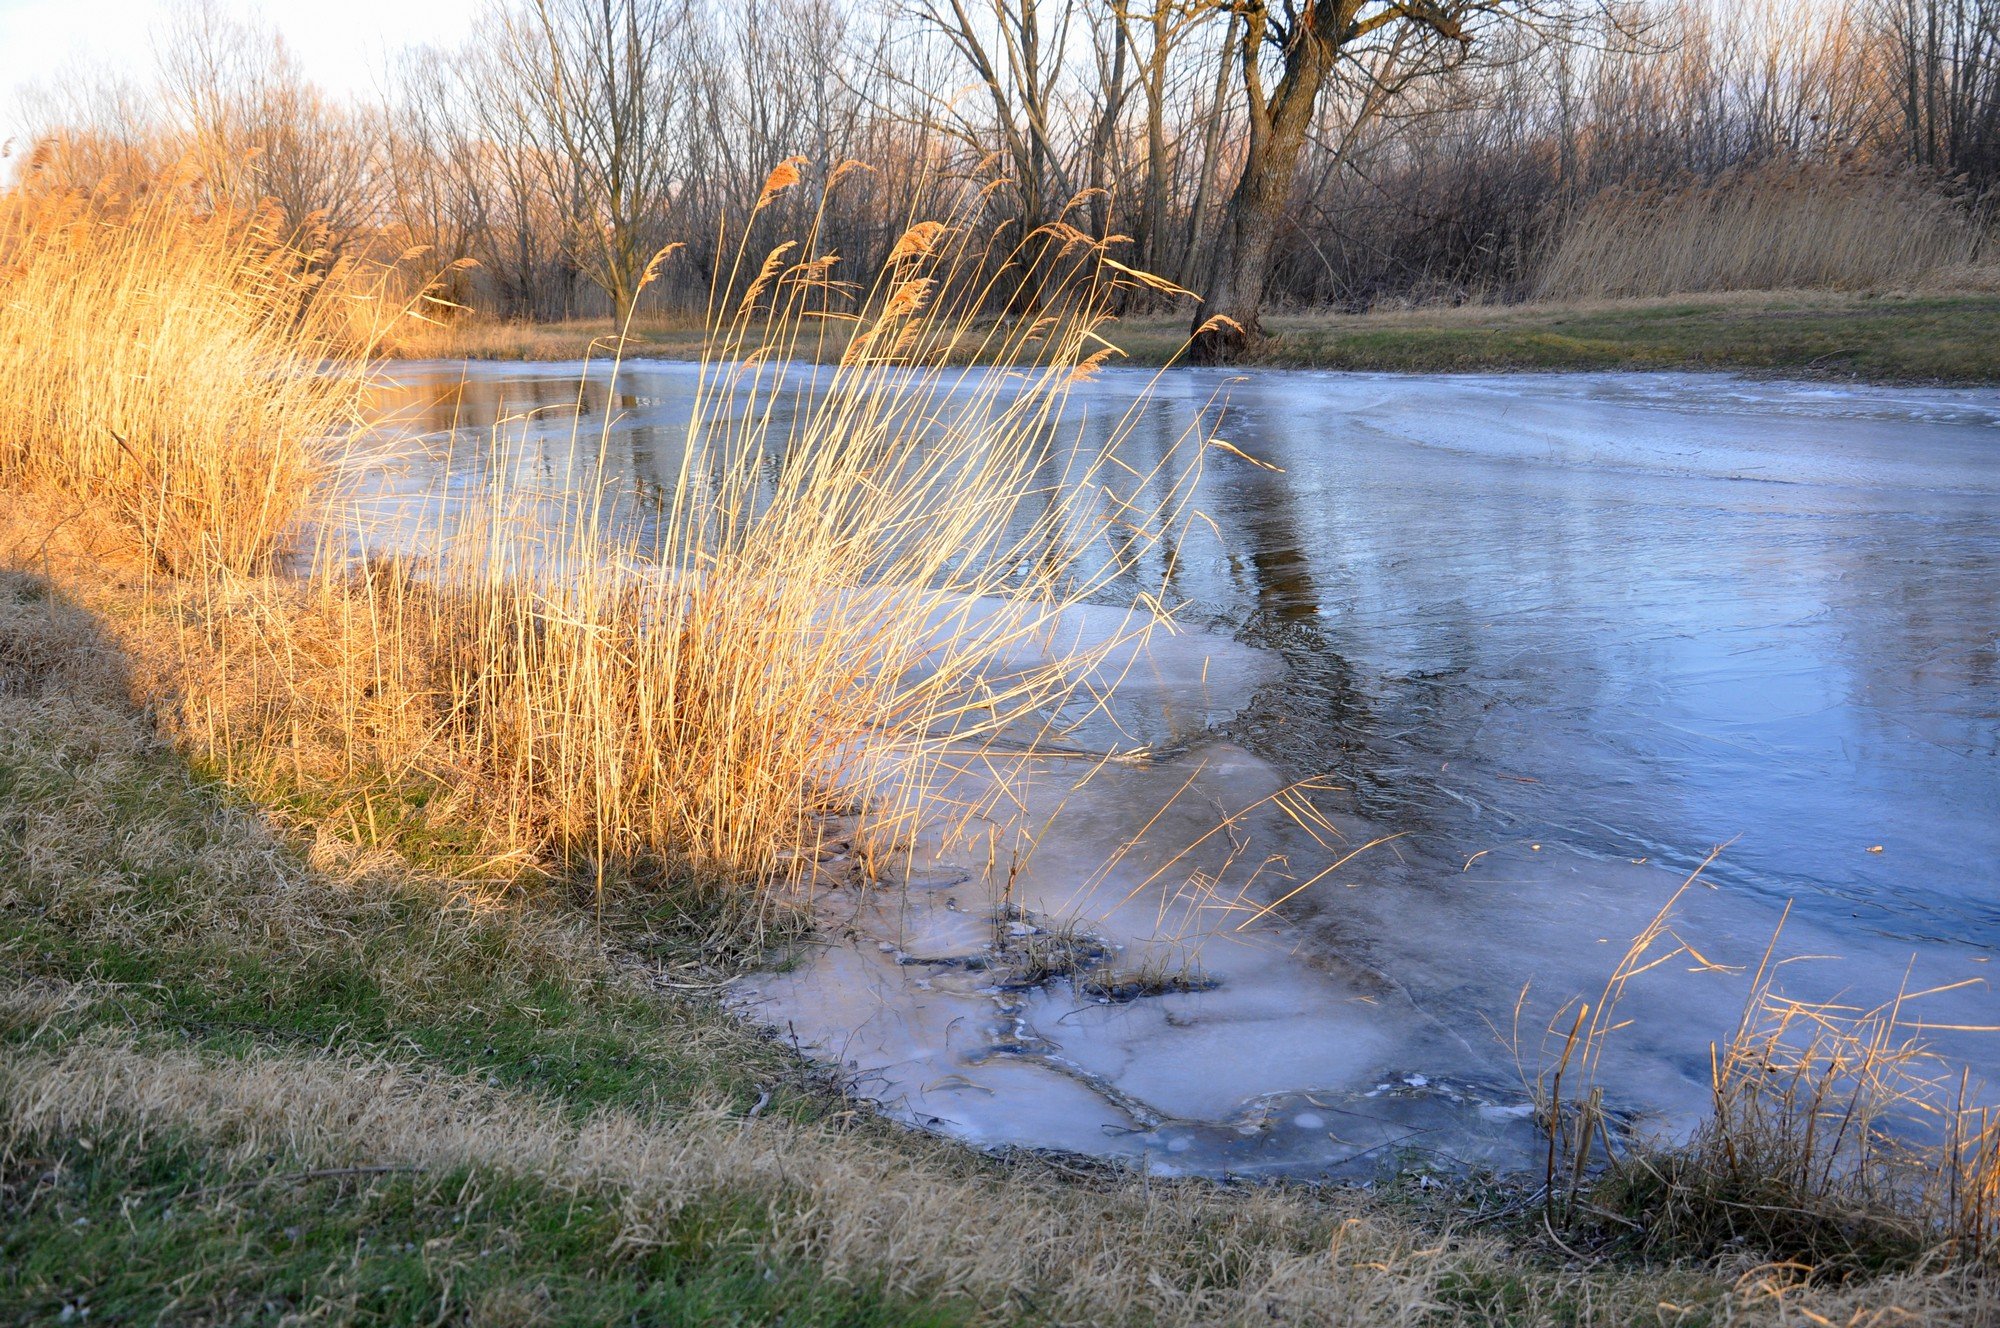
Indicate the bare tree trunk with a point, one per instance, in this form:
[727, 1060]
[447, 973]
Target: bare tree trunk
[1153, 223]
[1308, 39]
[1228, 319]
[1106, 130]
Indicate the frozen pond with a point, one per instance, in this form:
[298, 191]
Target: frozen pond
[1561, 635]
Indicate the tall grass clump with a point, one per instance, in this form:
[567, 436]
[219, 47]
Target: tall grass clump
[1777, 226]
[1838, 1133]
[1841, 1142]
[866, 573]
[184, 370]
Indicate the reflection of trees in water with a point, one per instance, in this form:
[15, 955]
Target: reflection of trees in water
[542, 433]
[1405, 745]
[545, 431]
[1922, 636]
[464, 403]
[1919, 642]
[1451, 628]
[1160, 431]
[1654, 721]
[1317, 718]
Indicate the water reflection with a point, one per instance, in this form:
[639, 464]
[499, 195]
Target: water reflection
[1627, 617]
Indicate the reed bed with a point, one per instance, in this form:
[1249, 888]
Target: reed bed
[187, 371]
[859, 579]
[1778, 226]
[1837, 1131]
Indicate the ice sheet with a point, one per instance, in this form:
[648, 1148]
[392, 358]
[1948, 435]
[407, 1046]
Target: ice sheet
[1564, 633]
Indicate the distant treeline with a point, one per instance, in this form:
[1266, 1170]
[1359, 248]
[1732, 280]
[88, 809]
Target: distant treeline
[568, 140]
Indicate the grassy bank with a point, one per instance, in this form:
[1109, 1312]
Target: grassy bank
[1953, 339]
[1890, 339]
[256, 1071]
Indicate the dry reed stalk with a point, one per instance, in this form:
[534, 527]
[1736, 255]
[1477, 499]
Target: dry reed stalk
[1849, 1114]
[186, 370]
[1568, 1098]
[1778, 226]
[1840, 1139]
[859, 577]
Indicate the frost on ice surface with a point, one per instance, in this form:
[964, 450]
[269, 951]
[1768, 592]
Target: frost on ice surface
[1115, 994]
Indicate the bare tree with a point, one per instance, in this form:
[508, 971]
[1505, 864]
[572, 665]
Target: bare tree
[1946, 71]
[261, 129]
[1017, 50]
[1303, 151]
[1112, 85]
[1301, 44]
[1157, 32]
[601, 86]
[88, 129]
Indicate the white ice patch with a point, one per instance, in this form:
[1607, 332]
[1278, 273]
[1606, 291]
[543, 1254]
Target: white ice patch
[1116, 993]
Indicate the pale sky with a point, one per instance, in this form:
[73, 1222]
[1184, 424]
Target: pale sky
[341, 43]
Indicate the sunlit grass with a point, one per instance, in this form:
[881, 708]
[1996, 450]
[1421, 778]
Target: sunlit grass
[183, 370]
[1840, 1141]
[858, 577]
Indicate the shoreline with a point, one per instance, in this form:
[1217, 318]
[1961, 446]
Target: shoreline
[1896, 339]
[318, 1053]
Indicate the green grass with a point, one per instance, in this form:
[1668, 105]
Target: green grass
[126, 874]
[1955, 339]
[239, 1088]
[141, 1233]
[376, 968]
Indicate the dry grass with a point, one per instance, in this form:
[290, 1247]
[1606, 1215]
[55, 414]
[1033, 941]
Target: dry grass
[859, 1209]
[469, 336]
[812, 625]
[109, 840]
[1839, 1139]
[186, 371]
[866, 1208]
[1781, 226]
[1840, 1142]
[854, 1203]
[213, 901]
